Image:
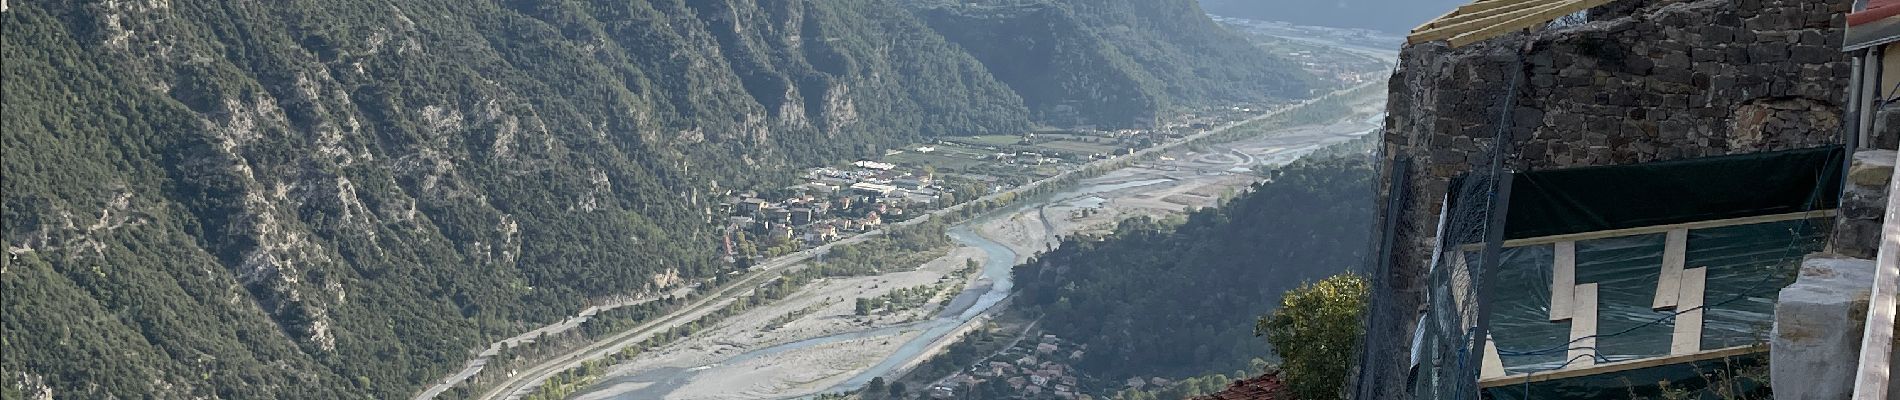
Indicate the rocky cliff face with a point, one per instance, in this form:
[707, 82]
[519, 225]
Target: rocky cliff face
[359, 194]
[314, 199]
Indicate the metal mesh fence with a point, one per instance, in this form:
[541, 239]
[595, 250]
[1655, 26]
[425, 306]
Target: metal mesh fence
[1445, 349]
[1449, 358]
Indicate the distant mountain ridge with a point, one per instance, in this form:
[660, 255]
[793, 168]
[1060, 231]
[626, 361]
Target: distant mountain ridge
[1390, 16]
[322, 199]
[1112, 63]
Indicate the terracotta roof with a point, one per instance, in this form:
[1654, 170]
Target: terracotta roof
[1264, 387]
[1876, 10]
[1873, 26]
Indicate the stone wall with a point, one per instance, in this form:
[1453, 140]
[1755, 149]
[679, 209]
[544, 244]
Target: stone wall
[1642, 81]
[1886, 133]
[1863, 205]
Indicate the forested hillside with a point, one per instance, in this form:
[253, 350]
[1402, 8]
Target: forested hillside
[340, 199]
[323, 199]
[1179, 298]
[1112, 63]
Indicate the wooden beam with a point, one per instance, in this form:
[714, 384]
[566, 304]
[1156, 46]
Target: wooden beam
[1675, 254]
[1583, 328]
[1483, 10]
[1688, 336]
[1463, 26]
[1493, 365]
[1619, 366]
[1543, 15]
[1428, 24]
[1876, 344]
[1490, 5]
[1643, 230]
[1563, 280]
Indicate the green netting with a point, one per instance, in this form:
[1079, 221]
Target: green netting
[1748, 264]
[1738, 377]
[1625, 270]
[1520, 311]
[1591, 199]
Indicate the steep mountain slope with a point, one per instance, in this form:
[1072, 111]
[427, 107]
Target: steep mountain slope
[312, 199]
[1179, 299]
[1112, 63]
[319, 199]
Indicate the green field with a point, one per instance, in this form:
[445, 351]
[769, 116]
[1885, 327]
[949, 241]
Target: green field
[941, 162]
[986, 140]
[1081, 148]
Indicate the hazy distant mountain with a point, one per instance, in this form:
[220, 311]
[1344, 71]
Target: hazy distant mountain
[1112, 63]
[1396, 16]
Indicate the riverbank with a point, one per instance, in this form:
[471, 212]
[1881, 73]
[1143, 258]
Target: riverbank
[737, 360]
[996, 272]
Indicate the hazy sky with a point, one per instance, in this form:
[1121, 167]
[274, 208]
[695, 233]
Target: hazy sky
[1395, 16]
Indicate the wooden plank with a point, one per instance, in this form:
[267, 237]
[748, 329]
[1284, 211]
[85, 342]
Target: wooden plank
[1483, 10]
[1491, 5]
[1493, 365]
[1876, 346]
[1464, 26]
[1429, 24]
[1620, 366]
[1688, 336]
[1544, 15]
[1675, 254]
[1644, 230]
[1583, 328]
[1563, 280]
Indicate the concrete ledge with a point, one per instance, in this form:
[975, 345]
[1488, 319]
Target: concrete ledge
[1817, 329]
[1871, 168]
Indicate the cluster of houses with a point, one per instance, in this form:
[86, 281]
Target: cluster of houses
[1037, 369]
[832, 203]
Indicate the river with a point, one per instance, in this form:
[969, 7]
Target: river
[992, 287]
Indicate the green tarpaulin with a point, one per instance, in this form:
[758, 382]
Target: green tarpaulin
[1589, 199]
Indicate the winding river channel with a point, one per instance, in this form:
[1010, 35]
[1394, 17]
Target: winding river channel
[991, 289]
[965, 307]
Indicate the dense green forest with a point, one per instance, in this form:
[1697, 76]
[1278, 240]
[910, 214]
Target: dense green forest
[1112, 63]
[1179, 298]
[318, 199]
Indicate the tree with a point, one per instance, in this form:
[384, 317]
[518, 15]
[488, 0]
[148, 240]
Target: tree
[1315, 331]
[875, 388]
[897, 390]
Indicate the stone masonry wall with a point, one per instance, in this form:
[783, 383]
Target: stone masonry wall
[1886, 132]
[1641, 81]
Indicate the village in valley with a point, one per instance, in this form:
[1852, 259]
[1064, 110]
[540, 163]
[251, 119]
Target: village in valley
[835, 202]
[1033, 369]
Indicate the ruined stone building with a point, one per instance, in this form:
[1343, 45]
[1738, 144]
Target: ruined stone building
[1586, 193]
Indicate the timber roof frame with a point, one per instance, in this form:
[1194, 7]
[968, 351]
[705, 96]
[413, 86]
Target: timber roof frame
[1485, 19]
